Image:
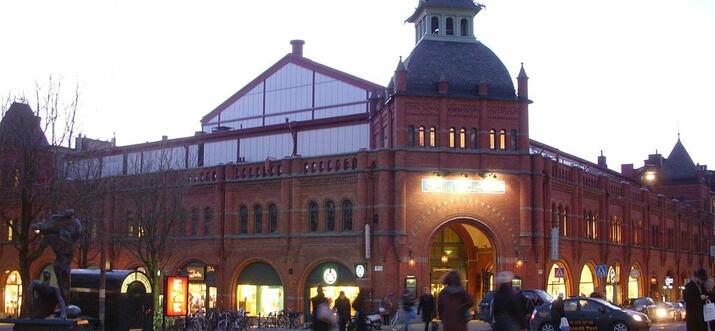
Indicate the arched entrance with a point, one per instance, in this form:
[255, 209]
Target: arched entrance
[634, 278]
[557, 282]
[13, 294]
[334, 277]
[202, 285]
[613, 284]
[463, 245]
[259, 290]
[587, 283]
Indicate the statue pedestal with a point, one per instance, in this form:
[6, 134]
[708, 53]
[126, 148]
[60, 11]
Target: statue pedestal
[33, 324]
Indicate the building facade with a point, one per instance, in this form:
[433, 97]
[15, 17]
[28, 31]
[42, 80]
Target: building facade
[310, 176]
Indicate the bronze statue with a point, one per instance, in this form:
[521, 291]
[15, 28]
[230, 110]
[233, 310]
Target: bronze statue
[61, 232]
[45, 298]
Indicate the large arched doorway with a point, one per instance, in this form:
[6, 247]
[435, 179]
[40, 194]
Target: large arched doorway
[587, 283]
[13, 294]
[634, 288]
[334, 278]
[464, 246]
[613, 284]
[557, 282]
[259, 290]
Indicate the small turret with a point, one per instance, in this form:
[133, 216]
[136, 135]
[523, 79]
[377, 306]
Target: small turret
[400, 77]
[602, 161]
[523, 81]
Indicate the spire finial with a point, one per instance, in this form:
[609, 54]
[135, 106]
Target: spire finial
[678, 131]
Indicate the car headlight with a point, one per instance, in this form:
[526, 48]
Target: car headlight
[660, 312]
[637, 318]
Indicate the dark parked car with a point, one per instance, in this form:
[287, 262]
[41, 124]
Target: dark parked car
[642, 305]
[535, 298]
[590, 314]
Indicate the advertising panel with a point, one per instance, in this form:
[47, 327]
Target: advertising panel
[176, 296]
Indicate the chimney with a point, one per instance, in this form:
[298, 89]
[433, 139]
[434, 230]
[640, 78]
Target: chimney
[602, 161]
[627, 170]
[164, 138]
[297, 47]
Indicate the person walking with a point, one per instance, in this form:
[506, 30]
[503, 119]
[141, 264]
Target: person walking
[695, 297]
[507, 312]
[407, 304]
[388, 307]
[453, 303]
[360, 306]
[426, 307]
[557, 311]
[342, 307]
[316, 301]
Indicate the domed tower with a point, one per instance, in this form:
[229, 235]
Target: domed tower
[452, 91]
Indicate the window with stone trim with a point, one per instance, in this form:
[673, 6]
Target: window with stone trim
[450, 26]
[434, 25]
[563, 221]
[432, 137]
[243, 220]
[272, 218]
[502, 139]
[638, 232]
[194, 221]
[462, 138]
[473, 139]
[514, 142]
[347, 209]
[492, 139]
[208, 220]
[464, 27]
[616, 229]
[313, 216]
[452, 138]
[421, 136]
[591, 231]
[257, 219]
[329, 216]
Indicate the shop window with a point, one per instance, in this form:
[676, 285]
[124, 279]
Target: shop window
[432, 137]
[633, 285]
[313, 216]
[347, 209]
[208, 219]
[464, 27]
[450, 26]
[502, 139]
[557, 281]
[243, 220]
[451, 138]
[421, 136]
[272, 218]
[13, 294]
[329, 216]
[435, 25]
[411, 135]
[473, 142]
[586, 284]
[616, 229]
[257, 219]
[514, 140]
[194, 221]
[462, 138]
[492, 139]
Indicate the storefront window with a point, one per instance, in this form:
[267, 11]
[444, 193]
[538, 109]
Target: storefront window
[202, 286]
[259, 290]
[613, 288]
[557, 281]
[633, 285]
[586, 285]
[334, 278]
[13, 294]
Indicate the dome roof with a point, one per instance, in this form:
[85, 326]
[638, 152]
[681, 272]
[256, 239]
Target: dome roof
[463, 65]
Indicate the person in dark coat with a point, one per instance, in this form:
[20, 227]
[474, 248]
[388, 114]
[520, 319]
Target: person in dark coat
[453, 303]
[426, 307]
[342, 307]
[557, 311]
[316, 301]
[360, 306]
[695, 297]
[709, 286]
[507, 310]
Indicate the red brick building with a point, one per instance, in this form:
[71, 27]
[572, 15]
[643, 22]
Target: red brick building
[309, 176]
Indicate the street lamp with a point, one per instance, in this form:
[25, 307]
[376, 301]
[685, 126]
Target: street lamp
[411, 261]
[444, 258]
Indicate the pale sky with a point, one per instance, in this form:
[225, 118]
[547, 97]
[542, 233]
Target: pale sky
[613, 75]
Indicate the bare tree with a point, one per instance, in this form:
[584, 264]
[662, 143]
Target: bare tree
[154, 198]
[32, 142]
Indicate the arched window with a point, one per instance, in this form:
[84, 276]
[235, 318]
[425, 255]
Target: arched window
[492, 139]
[462, 138]
[257, 219]
[243, 220]
[451, 137]
[208, 219]
[556, 282]
[347, 209]
[313, 216]
[450, 26]
[411, 136]
[586, 284]
[329, 216]
[616, 229]
[563, 230]
[591, 226]
[514, 140]
[464, 27]
[473, 142]
[435, 25]
[554, 216]
[502, 139]
[13, 294]
[272, 218]
[194, 221]
[433, 137]
[181, 223]
[421, 136]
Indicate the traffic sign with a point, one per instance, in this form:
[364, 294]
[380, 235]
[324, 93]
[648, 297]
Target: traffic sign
[559, 272]
[601, 270]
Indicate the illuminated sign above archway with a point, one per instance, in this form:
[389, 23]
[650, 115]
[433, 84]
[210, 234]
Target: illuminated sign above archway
[330, 275]
[463, 185]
